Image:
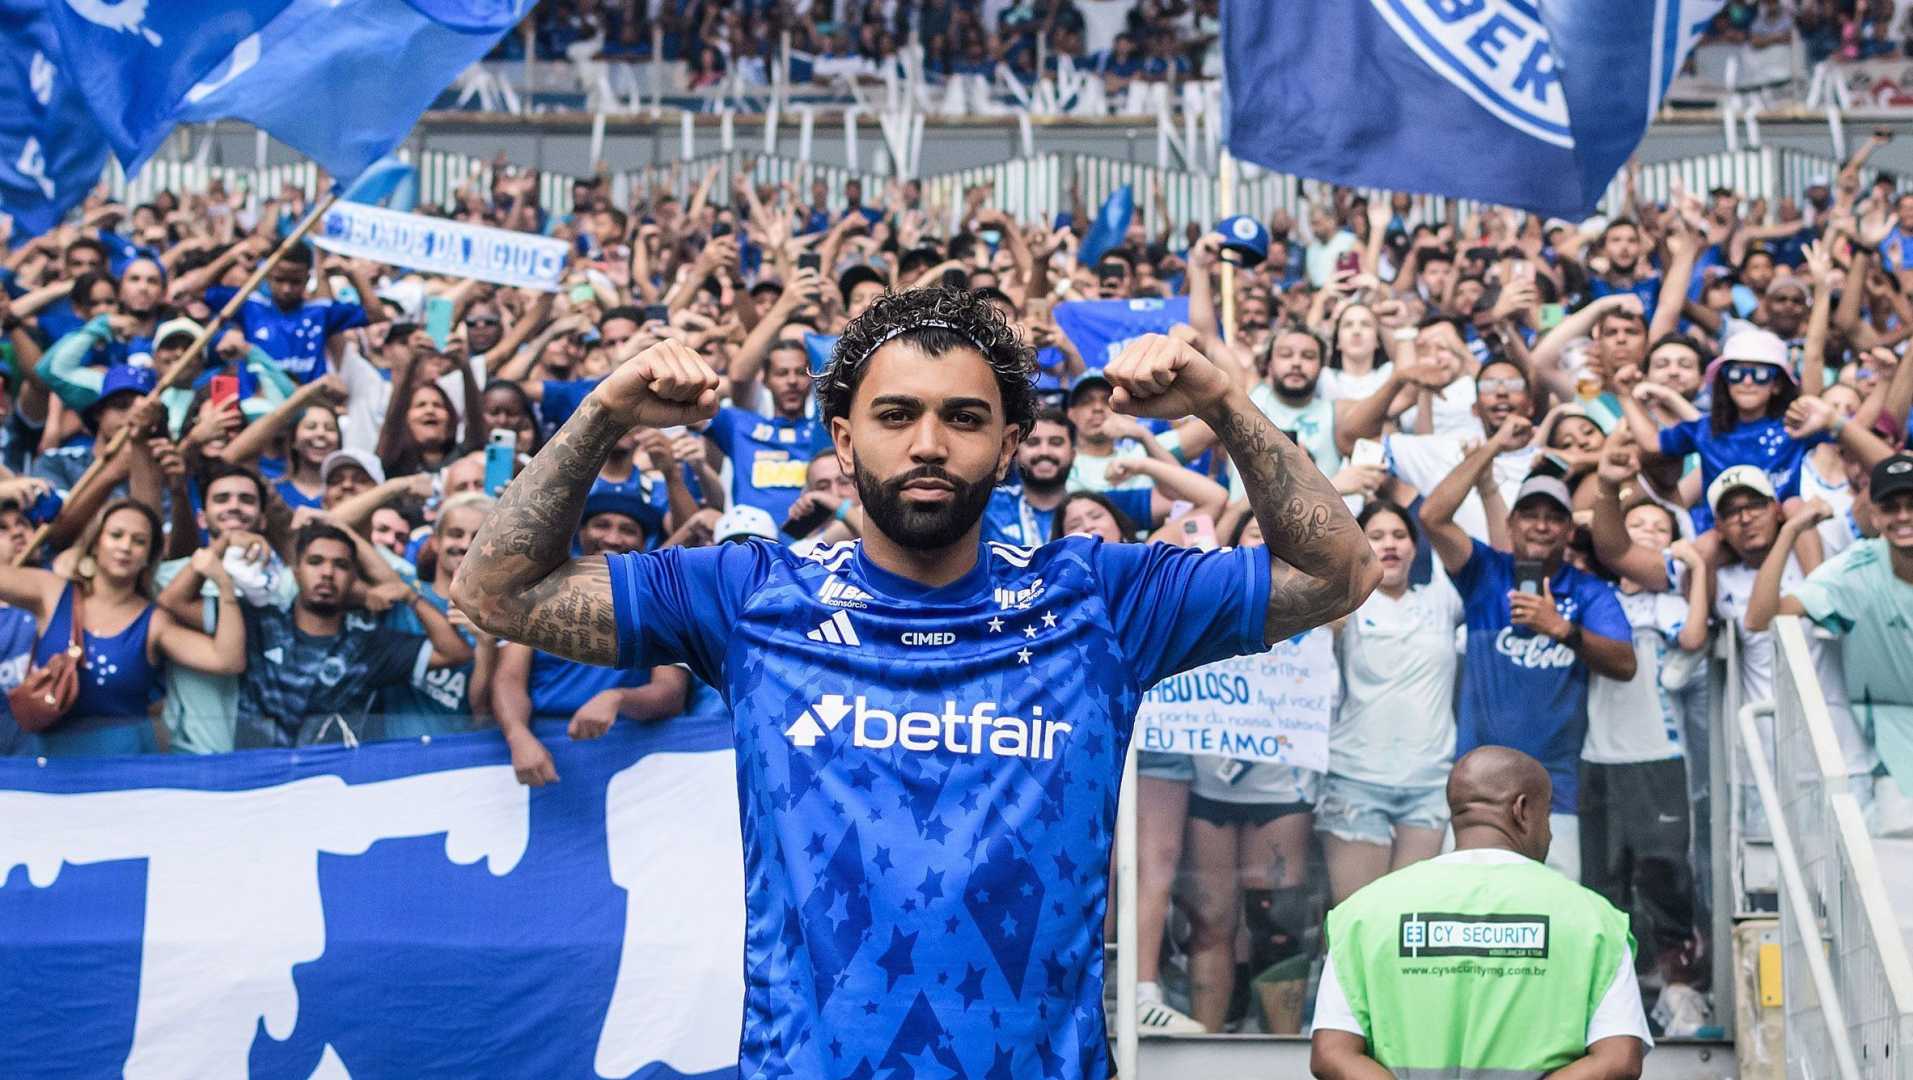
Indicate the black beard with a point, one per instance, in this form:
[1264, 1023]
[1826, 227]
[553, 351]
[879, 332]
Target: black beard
[1045, 487]
[927, 529]
[322, 608]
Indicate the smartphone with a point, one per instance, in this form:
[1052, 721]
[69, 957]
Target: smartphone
[955, 279]
[501, 458]
[799, 527]
[1367, 453]
[720, 229]
[224, 388]
[582, 294]
[438, 319]
[810, 260]
[1199, 532]
[992, 237]
[44, 508]
[1552, 316]
[657, 313]
[1349, 261]
[1529, 574]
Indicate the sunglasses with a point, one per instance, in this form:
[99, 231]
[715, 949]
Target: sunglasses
[482, 320]
[1758, 374]
[1501, 386]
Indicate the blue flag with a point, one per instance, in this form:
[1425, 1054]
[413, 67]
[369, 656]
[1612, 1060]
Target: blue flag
[389, 182]
[1509, 101]
[51, 152]
[1112, 221]
[402, 909]
[343, 81]
[1100, 328]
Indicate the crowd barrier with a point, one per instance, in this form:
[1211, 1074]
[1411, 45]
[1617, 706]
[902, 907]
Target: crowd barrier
[1847, 982]
[1037, 187]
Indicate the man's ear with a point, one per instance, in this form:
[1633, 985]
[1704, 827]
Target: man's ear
[840, 445]
[1012, 438]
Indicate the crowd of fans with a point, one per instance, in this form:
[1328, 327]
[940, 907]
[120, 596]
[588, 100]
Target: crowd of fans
[1579, 450]
[1121, 40]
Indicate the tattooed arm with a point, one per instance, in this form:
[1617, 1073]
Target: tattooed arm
[519, 581]
[1321, 566]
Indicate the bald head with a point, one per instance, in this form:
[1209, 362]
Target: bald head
[1499, 798]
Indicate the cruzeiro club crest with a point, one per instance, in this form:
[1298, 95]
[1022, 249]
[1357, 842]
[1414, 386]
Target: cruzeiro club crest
[1495, 51]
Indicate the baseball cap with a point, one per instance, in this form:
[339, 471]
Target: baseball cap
[176, 327]
[1246, 237]
[744, 520]
[631, 504]
[1545, 487]
[1093, 377]
[127, 378]
[1750, 477]
[360, 458]
[1752, 347]
[1890, 477]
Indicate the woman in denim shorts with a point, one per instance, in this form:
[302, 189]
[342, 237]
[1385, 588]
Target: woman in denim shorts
[1383, 805]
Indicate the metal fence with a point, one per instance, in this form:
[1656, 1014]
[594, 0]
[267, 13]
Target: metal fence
[1863, 988]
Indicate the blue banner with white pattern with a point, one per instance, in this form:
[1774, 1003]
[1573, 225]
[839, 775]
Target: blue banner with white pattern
[398, 910]
[1510, 101]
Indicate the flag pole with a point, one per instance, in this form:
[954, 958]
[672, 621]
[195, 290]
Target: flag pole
[1225, 205]
[172, 375]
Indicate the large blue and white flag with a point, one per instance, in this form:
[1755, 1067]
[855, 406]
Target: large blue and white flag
[1110, 226]
[399, 910]
[51, 152]
[343, 81]
[1100, 328]
[1526, 104]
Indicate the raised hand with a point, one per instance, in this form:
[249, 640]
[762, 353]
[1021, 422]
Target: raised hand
[666, 384]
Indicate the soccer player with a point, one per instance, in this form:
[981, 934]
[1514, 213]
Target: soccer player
[930, 728]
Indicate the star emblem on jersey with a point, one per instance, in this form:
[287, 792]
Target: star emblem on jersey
[996, 626]
[836, 630]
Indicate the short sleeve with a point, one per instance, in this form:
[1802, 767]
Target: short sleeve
[677, 605]
[1682, 439]
[1601, 613]
[343, 316]
[1138, 504]
[1620, 1011]
[1332, 1010]
[723, 426]
[1176, 608]
[1826, 598]
[1470, 576]
[561, 399]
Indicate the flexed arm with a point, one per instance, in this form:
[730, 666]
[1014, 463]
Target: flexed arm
[1321, 565]
[519, 582]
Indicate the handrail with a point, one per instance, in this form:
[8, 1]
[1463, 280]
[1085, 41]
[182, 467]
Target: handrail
[1831, 1008]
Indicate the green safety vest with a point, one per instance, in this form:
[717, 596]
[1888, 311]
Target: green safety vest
[1476, 971]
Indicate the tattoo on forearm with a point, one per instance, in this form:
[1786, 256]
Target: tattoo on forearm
[1318, 552]
[520, 563]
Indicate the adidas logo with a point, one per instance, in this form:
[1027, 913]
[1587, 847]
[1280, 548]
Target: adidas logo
[839, 593]
[836, 630]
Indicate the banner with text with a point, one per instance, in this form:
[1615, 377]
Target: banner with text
[443, 246]
[402, 909]
[1274, 706]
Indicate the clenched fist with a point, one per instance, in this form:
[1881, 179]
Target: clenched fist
[1160, 377]
[666, 384]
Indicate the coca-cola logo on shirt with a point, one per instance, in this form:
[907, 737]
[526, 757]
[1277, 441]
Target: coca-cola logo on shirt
[1537, 652]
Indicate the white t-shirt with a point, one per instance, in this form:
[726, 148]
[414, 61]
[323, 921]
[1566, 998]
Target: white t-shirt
[368, 394]
[1397, 724]
[1837, 532]
[1102, 21]
[1320, 256]
[1423, 460]
[1454, 410]
[1636, 720]
[1313, 424]
[1619, 1013]
[1088, 472]
[1339, 385]
[1735, 588]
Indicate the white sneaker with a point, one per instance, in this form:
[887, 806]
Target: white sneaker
[1155, 1018]
[1682, 1011]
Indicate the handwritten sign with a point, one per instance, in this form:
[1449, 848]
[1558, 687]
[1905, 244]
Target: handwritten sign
[1274, 706]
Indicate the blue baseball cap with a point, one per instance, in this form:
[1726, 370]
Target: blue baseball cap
[1245, 236]
[629, 503]
[1093, 377]
[122, 379]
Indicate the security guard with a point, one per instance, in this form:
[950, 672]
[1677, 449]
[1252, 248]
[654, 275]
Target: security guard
[1481, 963]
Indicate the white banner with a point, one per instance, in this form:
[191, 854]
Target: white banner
[1274, 706]
[443, 246]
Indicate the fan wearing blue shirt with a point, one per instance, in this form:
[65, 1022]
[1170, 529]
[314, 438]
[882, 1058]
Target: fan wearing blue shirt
[291, 328]
[1536, 628]
[768, 453]
[930, 727]
[1024, 512]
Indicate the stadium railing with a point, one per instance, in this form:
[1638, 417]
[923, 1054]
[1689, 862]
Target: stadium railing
[1847, 982]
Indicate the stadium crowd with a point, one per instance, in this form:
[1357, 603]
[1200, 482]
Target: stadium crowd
[1578, 450]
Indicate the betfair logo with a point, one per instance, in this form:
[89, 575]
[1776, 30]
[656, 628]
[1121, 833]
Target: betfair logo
[976, 732]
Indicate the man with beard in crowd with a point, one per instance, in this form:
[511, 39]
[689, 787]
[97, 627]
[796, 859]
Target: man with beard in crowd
[1627, 266]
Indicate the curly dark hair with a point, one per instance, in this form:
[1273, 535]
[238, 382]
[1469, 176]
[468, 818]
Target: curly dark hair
[972, 324]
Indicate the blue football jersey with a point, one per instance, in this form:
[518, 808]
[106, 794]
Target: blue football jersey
[928, 779]
[296, 339]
